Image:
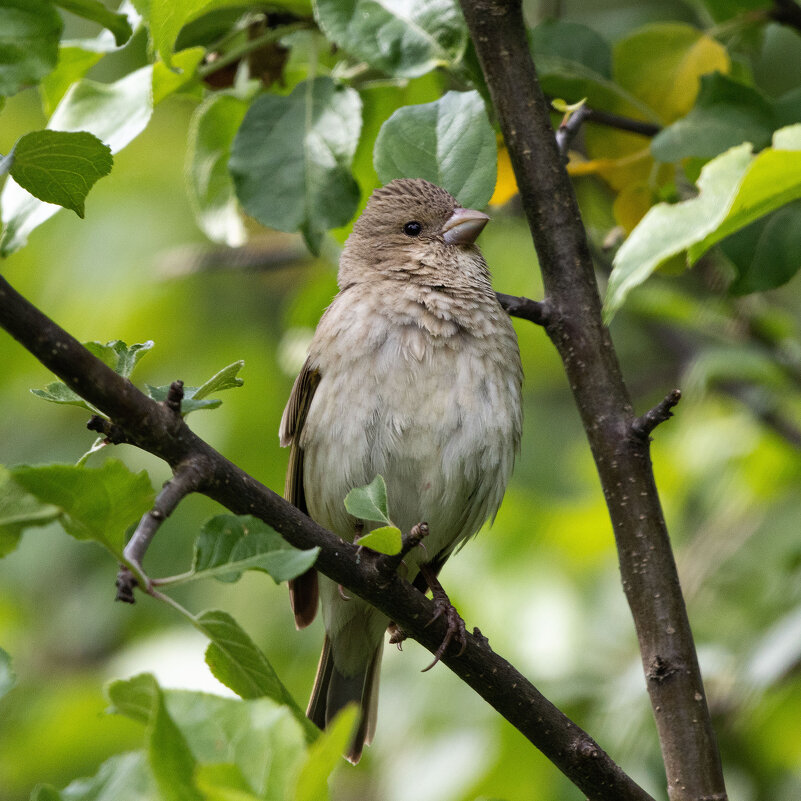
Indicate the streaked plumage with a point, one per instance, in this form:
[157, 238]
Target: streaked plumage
[413, 373]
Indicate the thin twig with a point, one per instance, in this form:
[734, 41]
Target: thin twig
[617, 121]
[569, 128]
[535, 311]
[643, 426]
[188, 477]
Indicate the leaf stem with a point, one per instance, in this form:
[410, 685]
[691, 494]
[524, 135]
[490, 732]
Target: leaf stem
[240, 51]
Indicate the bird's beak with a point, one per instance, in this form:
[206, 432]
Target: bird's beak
[464, 226]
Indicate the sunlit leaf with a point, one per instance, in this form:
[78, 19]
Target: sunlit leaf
[29, 35]
[292, 155]
[123, 777]
[96, 504]
[73, 63]
[211, 190]
[405, 39]
[735, 189]
[168, 80]
[325, 755]
[662, 64]
[170, 759]
[506, 183]
[386, 539]
[369, 502]
[240, 665]
[115, 113]
[448, 142]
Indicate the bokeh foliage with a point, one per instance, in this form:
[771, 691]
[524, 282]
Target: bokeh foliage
[192, 92]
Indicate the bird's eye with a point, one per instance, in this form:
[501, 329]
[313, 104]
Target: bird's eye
[412, 228]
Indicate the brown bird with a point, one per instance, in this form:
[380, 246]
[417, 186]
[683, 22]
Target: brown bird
[413, 373]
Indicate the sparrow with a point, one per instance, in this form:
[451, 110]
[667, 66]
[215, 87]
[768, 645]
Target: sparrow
[413, 373]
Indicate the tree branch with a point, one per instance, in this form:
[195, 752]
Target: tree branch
[156, 428]
[647, 566]
[526, 309]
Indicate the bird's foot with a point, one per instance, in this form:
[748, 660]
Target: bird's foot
[457, 630]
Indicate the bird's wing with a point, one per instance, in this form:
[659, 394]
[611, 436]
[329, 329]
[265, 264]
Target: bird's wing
[303, 593]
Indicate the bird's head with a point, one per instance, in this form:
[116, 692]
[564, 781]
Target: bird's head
[410, 226]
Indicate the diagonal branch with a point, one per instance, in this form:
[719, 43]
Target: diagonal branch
[156, 428]
[574, 325]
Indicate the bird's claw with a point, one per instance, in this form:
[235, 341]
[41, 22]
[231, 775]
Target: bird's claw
[456, 626]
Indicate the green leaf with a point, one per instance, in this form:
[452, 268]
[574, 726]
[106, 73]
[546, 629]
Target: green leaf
[766, 253]
[95, 11]
[96, 503]
[240, 665]
[449, 142]
[73, 63]
[251, 747]
[132, 697]
[19, 510]
[168, 80]
[170, 759]
[369, 502]
[572, 42]
[123, 777]
[735, 189]
[292, 155]
[29, 34]
[60, 167]
[115, 354]
[725, 114]
[400, 38]
[325, 755]
[115, 113]
[59, 392]
[119, 356]
[225, 379]
[188, 403]
[386, 539]
[661, 64]
[228, 545]
[195, 397]
[211, 190]
[7, 676]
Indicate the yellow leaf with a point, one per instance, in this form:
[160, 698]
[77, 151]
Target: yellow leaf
[505, 185]
[661, 65]
[631, 205]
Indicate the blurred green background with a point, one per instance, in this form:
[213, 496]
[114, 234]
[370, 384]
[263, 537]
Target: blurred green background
[542, 584]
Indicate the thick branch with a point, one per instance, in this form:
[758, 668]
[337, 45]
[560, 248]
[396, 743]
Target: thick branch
[156, 428]
[647, 566]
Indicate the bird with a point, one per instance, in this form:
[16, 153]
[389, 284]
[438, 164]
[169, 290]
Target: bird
[413, 374]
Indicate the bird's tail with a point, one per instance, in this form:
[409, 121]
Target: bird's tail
[333, 690]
